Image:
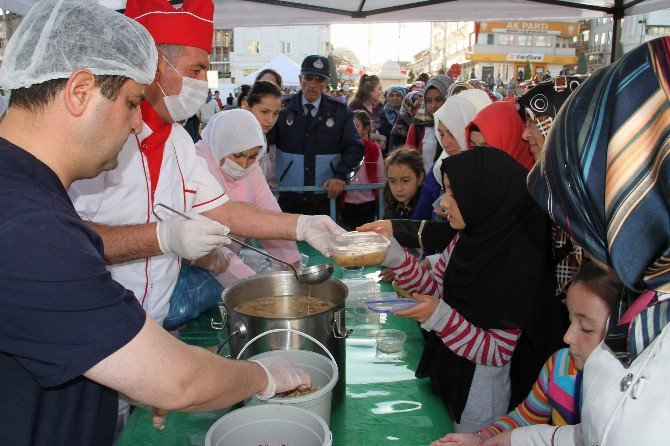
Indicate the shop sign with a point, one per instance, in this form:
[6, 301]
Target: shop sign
[528, 27]
[521, 57]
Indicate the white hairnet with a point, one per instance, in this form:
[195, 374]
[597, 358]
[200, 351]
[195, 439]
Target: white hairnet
[455, 114]
[58, 37]
[233, 131]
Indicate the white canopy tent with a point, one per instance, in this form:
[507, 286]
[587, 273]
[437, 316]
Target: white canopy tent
[288, 70]
[229, 13]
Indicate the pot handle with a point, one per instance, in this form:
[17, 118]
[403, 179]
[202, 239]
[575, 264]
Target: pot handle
[287, 330]
[224, 315]
[338, 325]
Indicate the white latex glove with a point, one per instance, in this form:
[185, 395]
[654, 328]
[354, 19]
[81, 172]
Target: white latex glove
[317, 231]
[395, 255]
[192, 238]
[282, 375]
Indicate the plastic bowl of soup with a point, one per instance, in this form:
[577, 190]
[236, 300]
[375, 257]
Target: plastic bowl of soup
[353, 249]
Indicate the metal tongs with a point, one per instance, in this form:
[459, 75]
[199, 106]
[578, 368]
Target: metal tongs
[311, 275]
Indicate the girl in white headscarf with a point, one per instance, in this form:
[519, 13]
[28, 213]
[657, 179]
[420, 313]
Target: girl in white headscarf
[451, 120]
[232, 144]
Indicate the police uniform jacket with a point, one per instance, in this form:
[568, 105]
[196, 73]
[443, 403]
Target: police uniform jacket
[309, 155]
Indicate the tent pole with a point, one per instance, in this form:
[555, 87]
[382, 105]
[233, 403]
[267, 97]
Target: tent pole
[617, 15]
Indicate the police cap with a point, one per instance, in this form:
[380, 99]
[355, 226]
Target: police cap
[316, 65]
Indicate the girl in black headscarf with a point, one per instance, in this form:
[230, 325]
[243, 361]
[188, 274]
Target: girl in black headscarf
[497, 277]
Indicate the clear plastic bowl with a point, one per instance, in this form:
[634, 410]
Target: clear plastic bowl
[359, 249]
[390, 341]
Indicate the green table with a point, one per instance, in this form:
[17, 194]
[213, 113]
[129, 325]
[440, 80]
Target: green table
[384, 403]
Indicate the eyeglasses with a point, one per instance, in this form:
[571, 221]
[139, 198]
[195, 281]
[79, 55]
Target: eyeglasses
[313, 78]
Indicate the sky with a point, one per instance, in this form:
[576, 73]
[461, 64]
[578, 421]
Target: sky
[386, 43]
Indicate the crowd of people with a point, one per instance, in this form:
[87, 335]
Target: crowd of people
[532, 230]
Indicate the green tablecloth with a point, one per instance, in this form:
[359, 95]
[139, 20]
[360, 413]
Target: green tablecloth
[384, 403]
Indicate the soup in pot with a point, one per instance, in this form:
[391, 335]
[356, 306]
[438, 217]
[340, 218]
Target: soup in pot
[284, 306]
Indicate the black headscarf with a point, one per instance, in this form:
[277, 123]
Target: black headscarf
[499, 269]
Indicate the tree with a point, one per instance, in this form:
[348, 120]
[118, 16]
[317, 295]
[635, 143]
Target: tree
[334, 81]
[454, 71]
[582, 63]
[441, 71]
[411, 76]
[526, 71]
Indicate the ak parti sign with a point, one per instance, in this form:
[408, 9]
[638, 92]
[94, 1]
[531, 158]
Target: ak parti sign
[568, 29]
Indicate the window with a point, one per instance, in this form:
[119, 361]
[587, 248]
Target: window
[254, 47]
[503, 39]
[658, 30]
[524, 40]
[218, 37]
[602, 39]
[286, 47]
[541, 41]
[228, 38]
[489, 39]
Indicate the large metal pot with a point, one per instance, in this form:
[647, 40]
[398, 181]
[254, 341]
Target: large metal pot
[328, 326]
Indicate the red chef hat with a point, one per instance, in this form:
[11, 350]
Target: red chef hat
[190, 25]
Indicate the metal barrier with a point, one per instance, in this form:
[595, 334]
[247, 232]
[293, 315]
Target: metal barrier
[333, 201]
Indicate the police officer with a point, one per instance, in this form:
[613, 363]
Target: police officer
[317, 142]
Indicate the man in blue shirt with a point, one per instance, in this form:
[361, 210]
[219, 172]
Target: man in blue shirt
[317, 142]
[70, 336]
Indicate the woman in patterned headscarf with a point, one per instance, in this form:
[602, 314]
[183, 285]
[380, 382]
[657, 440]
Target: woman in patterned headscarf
[389, 114]
[409, 108]
[604, 177]
[540, 105]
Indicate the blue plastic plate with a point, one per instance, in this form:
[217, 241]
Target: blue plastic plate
[389, 306]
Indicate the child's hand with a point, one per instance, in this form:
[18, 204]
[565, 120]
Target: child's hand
[502, 439]
[385, 226]
[423, 310]
[462, 439]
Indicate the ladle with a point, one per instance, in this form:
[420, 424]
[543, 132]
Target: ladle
[312, 275]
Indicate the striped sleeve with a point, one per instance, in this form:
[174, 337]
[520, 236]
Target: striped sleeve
[412, 277]
[535, 409]
[493, 347]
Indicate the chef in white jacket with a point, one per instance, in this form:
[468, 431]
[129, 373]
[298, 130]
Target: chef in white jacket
[143, 240]
[604, 176]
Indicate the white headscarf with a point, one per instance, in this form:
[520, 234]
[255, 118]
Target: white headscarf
[455, 114]
[233, 131]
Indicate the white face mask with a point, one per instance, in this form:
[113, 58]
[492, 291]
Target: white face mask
[235, 170]
[187, 103]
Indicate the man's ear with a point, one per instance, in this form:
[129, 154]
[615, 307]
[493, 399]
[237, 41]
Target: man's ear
[160, 68]
[79, 91]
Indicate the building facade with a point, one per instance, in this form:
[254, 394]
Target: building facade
[634, 31]
[253, 47]
[222, 46]
[8, 24]
[503, 48]
[420, 62]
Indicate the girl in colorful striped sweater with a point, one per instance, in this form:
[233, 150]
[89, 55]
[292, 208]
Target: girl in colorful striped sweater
[555, 398]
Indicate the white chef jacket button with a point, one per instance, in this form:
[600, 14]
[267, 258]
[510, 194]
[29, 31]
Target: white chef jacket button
[626, 381]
